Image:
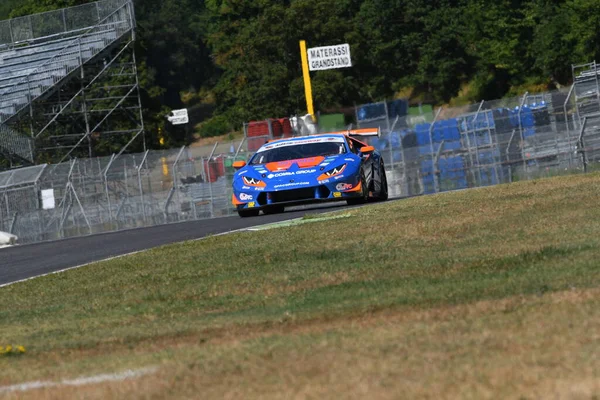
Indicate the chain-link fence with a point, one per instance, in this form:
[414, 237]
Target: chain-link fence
[89, 196]
[485, 144]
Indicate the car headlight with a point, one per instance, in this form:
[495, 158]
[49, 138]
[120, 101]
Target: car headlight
[253, 182]
[333, 172]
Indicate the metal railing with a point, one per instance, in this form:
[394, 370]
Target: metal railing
[56, 24]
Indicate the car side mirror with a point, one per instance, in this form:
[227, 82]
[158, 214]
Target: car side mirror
[239, 164]
[367, 149]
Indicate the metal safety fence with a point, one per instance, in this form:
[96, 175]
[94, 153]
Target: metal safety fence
[456, 148]
[88, 196]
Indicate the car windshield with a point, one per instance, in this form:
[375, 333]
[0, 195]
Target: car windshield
[299, 151]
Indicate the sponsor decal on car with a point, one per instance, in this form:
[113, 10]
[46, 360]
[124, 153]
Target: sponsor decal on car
[251, 205]
[343, 186]
[337, 194]
[300, 142]
[301, 172]
[279, 175]
[293, 184]
[245, 187]
[245, 197]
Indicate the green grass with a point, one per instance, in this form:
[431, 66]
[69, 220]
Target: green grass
[292, 287]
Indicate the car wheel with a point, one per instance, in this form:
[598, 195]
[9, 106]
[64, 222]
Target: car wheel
[365, 193]
[382, 195]
[248, 213]
[274, 210]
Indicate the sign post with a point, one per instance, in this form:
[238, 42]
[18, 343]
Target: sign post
[320, 59]
[307, 83]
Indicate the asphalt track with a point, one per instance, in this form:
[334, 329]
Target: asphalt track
[28, 261]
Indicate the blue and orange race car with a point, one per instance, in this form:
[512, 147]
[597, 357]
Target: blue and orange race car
[328, 167]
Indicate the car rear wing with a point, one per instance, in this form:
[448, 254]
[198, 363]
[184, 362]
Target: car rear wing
[365, 132]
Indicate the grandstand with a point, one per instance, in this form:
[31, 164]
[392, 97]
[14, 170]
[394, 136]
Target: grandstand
[68, 83]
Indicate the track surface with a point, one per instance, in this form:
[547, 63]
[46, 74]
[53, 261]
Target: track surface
[28, 261]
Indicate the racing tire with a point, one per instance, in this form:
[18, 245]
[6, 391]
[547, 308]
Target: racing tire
[365, 193]
[382, 195]
[248, 213]
[274, 210]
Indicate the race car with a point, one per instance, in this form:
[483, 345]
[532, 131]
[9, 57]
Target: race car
[328, 167]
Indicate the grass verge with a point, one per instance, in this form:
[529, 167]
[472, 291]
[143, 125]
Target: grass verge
[466, 294]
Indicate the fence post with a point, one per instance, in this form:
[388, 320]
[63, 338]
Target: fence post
[437, 114]
[439, 111]
[436, 169]
[139, 171]
[210, 188]
[475, 138]
[565, 106]
[597, 82]
[167, 203]
[387, 115]
[508, 155]
[581, 145]
[81, 208]
[13, 223]
[521, 132]
[174, 173]
[391, 129]
[567, 125]
[494, 147]
[105, 175]
[239, 148]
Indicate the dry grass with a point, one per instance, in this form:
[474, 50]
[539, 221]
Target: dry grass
[522, 347]
[481, 294]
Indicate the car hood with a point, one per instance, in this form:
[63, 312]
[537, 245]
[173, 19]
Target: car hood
[301, 168]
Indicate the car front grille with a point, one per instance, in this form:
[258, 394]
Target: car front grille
[293, 195]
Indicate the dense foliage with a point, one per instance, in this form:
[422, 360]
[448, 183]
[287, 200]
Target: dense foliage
[240, 59]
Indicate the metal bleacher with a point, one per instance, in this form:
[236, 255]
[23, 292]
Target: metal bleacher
[39, 54]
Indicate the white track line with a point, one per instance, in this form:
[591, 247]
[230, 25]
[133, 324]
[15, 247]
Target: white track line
[129, 374]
